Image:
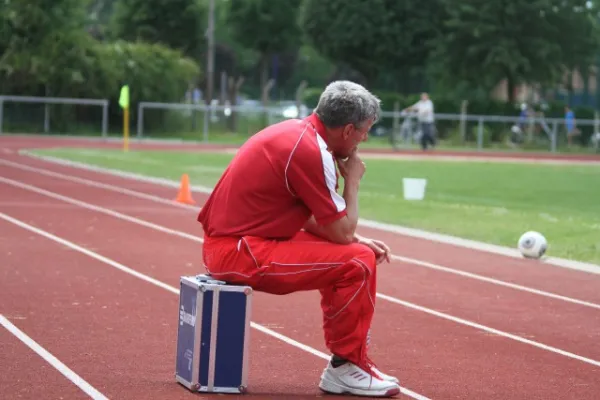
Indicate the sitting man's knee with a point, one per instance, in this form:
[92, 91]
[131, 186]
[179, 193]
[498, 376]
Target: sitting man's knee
[365, 256]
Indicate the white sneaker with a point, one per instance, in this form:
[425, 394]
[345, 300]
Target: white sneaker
[349, 378]
[385, 377]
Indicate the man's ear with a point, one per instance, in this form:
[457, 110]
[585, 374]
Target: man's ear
[347, 131]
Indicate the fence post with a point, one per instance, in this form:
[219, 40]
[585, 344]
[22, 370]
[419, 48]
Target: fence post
[47, 118]
[206, 117]
[463, 121]
[553, 141]
[300, 96]
[140, 121]
[1, 114]
[595, 132]
[105, 119]
[480, 134]
[395, 124]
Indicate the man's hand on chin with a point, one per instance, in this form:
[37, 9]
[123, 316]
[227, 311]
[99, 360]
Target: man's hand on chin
[381, 250]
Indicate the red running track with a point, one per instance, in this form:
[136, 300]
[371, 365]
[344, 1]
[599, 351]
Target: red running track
[433, 356]
[520, 271]
[556, 322]
[25, 374]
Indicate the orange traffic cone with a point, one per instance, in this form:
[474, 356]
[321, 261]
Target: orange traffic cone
[185, 195]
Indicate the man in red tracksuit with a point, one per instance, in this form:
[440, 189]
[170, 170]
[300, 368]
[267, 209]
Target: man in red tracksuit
[276, 222]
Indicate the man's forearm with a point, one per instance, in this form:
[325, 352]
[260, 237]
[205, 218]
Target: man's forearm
[351, 197]
[311, 226]
[343, 228]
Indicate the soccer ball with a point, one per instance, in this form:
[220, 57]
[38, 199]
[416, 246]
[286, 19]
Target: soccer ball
[532, 244]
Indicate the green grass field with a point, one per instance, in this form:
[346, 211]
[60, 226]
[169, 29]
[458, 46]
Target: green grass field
[484, 201]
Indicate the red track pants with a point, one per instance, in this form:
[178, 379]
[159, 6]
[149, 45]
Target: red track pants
[345, 275]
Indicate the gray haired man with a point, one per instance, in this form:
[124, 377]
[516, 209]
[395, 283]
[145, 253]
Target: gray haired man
[276, 222]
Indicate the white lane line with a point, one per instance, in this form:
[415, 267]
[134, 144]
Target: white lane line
[172, 289]
[145, 196]
[495, 281]
[52, 360]
[99, 209]
[385, 227]
[92, 183]
[121, 174]
[490, 330]
[380, 295]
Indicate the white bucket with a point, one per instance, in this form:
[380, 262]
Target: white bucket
[414, 188]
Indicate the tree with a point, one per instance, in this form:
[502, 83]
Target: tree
[579, 38]
[374, 36]
[178, 24]
[99, 15]
[265, 26]
[40, 38]
[523, 41]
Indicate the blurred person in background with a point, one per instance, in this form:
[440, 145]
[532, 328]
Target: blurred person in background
[425, 114]
[572, 129]
[517, 130]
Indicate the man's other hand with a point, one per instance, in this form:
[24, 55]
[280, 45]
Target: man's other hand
[381, 250]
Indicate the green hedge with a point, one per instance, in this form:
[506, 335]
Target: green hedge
[153, 73]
